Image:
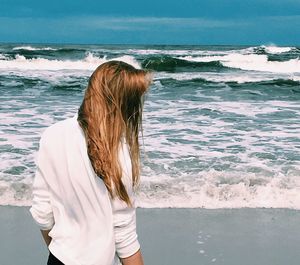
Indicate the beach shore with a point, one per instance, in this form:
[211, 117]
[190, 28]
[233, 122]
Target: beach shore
[182, 236]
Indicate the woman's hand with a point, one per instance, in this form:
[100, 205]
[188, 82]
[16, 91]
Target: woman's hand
[135, 259]
[46, 237]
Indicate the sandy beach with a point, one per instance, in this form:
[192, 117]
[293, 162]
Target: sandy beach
[178, 236]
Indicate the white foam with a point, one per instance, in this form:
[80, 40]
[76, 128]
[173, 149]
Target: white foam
[214, 189]
[239, 77]
[295, 78]
[176, 52]
[272, 49]
[251, 62]
[277, 50]
[211, 190]
[90, 62]
[30, 48]
[2, 57]
[17, 194]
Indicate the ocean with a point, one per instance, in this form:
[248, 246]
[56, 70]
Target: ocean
[221, 123]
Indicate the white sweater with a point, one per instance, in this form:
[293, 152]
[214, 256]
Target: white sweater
[87, 227]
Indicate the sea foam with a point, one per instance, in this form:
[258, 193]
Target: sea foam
[277, 50]
[251, 62]
[213, 189]
[30, 48]
[90, 62]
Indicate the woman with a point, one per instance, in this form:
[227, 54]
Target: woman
[88, 170]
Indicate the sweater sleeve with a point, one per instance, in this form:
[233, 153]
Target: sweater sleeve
[126, 240]
[41, 209]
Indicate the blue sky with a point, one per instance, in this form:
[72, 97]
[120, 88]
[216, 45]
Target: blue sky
[151, 22]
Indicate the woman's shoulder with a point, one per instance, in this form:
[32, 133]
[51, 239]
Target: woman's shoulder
[59, 127]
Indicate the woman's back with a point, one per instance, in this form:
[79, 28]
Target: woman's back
[78, 200]
[87, 167]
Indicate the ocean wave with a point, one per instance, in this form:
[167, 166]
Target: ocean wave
[3, 57]
[211, 190]
[263, 65]
[277, 50]
[90, 62]
[248, 59]
[16, 193]
[30, 48]
[263, 49]
[48, 52]
[171, 64]
[266, 49]
[231, 77]
[175, 52]
[250, 62]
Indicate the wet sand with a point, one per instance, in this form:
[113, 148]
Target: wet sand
[178, 237]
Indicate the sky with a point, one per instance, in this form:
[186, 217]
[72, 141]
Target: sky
[195, 22]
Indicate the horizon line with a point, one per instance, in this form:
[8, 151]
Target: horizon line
[270, 43]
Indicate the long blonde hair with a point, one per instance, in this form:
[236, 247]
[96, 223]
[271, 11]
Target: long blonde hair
[112, 109]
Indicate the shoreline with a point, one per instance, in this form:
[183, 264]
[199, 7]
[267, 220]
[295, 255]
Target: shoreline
[174, 236]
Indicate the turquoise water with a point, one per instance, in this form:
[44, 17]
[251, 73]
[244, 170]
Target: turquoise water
[221, 123]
